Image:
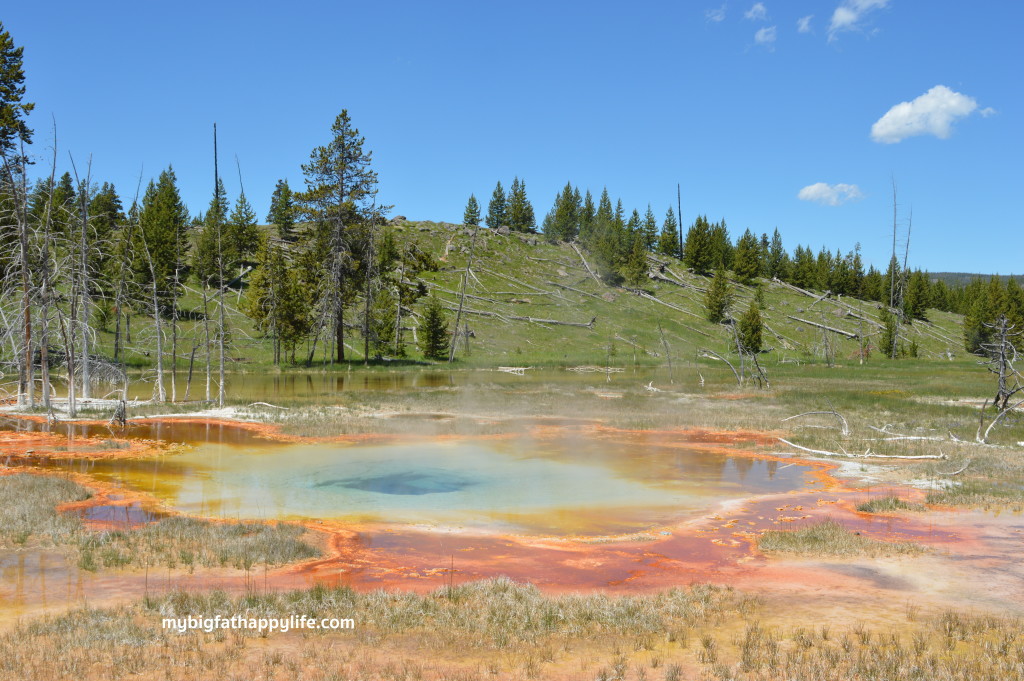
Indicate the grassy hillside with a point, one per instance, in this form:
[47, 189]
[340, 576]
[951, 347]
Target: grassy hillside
[519, 281]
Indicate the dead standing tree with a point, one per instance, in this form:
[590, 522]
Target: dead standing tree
[15, 184]
[1002, 354]
[462, 295]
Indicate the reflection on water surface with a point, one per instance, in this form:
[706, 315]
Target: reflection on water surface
[564, 481]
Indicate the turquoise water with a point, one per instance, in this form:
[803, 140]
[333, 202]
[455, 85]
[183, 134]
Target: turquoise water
[559, 485]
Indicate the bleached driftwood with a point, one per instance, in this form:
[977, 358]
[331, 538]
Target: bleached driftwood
[648, 296]
[574, 290]
[823, 326]
[516, 318]
[584, 261]
[846, 426]
[711, 354]
[865, 455]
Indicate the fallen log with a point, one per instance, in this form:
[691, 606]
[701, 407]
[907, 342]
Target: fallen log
[711, 354]
[584, 260]
[865, 455]
[516, 318]
[823, 326]
[513, 280]
[648, 296]
[846, 426]
[574, 290]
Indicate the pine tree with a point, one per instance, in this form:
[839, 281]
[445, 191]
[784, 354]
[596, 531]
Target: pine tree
[1014, 303]
[650, 229]
[163, 224]
[497, 214]
[282, 211]
[340, 190]
[520, 210]
[434, 331]
[698, 251]
[604, 207]
[263, 302]
[918, 296]
[634, 269]
[718, 297]
[13, 111]
[893, 282]
[778, 259]
[608, 245]
[750, 329]
[207, 252]
[381, 325]
[668, 242]
[562, 223]
[720, 245]
[587, 215]
[804, 270]
[241, 235]
[65, 206]
[471, 216]
[871, 288]
[620, 215]
[747, 264]
[106, 215]
[889, 341]
[634, 223]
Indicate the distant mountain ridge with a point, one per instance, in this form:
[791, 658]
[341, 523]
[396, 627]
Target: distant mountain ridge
[963, 278]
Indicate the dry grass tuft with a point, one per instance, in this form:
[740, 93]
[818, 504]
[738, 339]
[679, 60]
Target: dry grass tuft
[830, 538]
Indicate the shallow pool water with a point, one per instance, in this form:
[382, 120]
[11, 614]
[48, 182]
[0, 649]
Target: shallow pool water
[572, 483]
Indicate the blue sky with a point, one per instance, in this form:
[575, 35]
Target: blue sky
[750, 106]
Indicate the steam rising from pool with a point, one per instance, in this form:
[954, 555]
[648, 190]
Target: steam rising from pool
[563, 483]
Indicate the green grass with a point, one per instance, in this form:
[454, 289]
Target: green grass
[889, 504]
[830, 538]
[513, 277]
[980, 493]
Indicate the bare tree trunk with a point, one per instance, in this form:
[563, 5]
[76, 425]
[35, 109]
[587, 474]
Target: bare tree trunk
[117, 323]
[161, 394]
[220, 330]
[44, 336]
[26, 377]
[206, 328]
[398, 314]
[83, 243]
[339, 330]
[462, 295]
[69, 350]
[367, 299]
[174, 326]
[679, 218]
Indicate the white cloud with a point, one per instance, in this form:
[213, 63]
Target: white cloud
[849, 13]
[988, 111]
[830, 194]
[715, 15]
[766, 36]
[757, 13]
[803, 24]
[933, 113]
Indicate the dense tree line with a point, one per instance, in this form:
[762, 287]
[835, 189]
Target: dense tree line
[620, 247]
